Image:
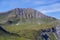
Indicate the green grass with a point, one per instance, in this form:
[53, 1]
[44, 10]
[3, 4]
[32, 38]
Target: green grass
[52, 37]
[27, 31]
[26, 26]
[1, 18]
[12, 38]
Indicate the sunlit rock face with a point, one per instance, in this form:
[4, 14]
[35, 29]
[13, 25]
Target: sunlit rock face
[26, 15]
[58, 32]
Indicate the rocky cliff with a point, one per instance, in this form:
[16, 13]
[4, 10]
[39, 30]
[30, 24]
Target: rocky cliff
[25, 15]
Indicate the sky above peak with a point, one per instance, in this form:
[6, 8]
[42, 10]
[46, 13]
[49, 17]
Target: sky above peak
[48, 7]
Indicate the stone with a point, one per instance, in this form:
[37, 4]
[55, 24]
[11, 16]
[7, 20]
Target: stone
[10, 22]
[53, 30]
[44, 36]
[58, 32]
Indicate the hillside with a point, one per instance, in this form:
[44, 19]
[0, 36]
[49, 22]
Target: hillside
[28, 24]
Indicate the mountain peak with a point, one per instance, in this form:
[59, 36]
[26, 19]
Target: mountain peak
[26, 14]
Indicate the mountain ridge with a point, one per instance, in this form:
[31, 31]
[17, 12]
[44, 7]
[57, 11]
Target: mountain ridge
[26, 14]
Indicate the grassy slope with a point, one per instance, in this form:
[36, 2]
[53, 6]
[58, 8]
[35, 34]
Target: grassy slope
[26, 26]
[2, 17]
[26, 30]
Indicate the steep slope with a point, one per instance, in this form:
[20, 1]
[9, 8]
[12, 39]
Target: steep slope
[25, 15]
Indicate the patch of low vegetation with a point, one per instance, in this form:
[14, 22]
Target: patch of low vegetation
[27, 31]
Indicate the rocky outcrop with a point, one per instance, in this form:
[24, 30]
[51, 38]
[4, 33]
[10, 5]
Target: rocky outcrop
[58, 32]
[26, 15]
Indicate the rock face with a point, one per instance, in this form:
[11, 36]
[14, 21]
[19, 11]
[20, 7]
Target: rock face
[58, 32]
[25, 15]
[27, 12]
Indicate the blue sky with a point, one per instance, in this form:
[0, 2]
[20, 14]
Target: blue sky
[48, 7]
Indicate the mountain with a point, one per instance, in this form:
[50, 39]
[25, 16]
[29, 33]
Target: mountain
[25, 15]
[27, 24]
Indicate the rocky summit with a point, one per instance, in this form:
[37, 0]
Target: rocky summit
[25, 15]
